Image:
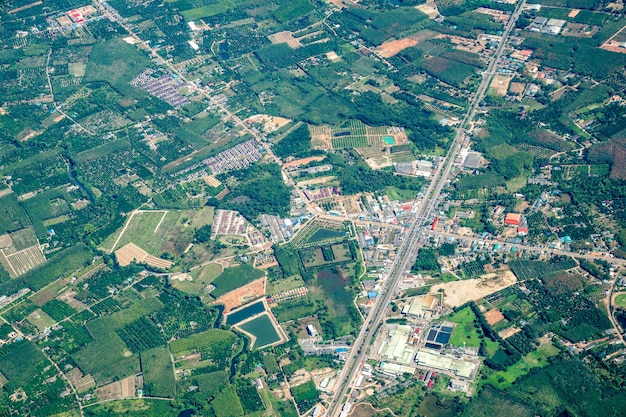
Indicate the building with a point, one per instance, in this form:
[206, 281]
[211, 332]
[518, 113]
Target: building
[311, 330]
[395, 347]
[458, 367]
[512, 219]
[422, 306]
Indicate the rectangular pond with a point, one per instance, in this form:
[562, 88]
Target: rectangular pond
[263, 329]
[246, 312]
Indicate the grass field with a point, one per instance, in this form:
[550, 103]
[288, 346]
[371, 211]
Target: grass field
[201, 278]
[116, 62]
[200, 341]
[284, 284]
[160, 231]
[620, 301]
[40, 319]
[536, 359]
[465, 331]
[158, 372]
[208, 11]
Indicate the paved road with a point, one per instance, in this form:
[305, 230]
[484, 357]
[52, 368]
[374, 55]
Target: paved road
[408, 249]
[519, 247]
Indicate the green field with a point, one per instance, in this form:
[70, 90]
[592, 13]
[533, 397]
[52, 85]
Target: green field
[204, 341]
[208, 11]
[40, 319]
[201, 278]
[620, 301]
[18, 360]
[537, 359]
[107, 357]
[140, 408]
[116, 62]
[213, 382]
[465, 332]
[227, 404]
[158, 373]
[235, 277]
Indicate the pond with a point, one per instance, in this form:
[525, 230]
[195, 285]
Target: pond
[247, 312]
[263, 329]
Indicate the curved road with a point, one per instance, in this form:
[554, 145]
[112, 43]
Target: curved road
[408, 250]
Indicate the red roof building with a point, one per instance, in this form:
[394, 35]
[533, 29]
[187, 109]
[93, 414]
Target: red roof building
[512, 219]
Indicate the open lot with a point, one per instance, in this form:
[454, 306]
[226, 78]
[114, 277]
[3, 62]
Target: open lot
[458, 293]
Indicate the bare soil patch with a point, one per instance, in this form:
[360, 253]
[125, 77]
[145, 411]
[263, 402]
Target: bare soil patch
[493, 316]
[242, 295]
[458, 293]
[392, 47]
[131, 252]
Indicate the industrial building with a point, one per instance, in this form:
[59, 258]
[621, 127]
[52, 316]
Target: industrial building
[421, 307]
[396, 346]
[457, 367]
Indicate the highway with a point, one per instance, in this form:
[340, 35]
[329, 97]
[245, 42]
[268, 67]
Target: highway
[408, 250]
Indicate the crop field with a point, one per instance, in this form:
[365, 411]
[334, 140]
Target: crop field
[18, 360]
[212, 383]
[305, 395]
[447, 70]
[141, 335]
[107, 357]
[60, 265]
[227, 404]
[526, 270]
[158, 373]
[58, 310]
[19, 263]
[201, 342]
[14, 216]
[130, 253]
[235, 277]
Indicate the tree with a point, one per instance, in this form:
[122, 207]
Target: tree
[203, 234]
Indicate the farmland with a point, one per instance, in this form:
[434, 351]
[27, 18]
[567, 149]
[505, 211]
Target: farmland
[108, 357]
[234, 277]
[158, 373]
[214, 341]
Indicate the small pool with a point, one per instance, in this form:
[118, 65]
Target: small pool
[389, 140]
